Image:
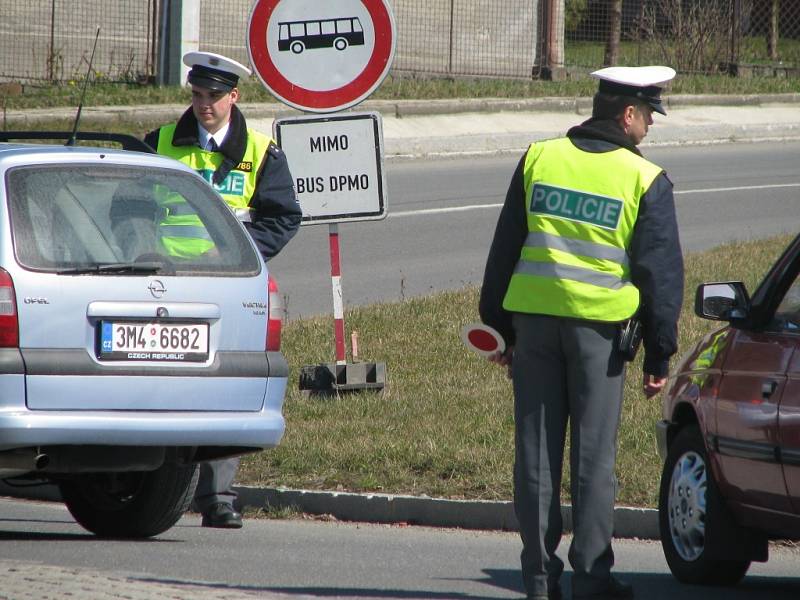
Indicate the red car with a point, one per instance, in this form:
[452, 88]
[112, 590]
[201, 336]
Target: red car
[730, 434]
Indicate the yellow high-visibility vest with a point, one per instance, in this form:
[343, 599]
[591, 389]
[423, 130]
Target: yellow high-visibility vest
[581, 210]
[182, 232]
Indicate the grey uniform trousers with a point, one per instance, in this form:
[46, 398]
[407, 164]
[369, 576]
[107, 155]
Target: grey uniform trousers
[565, 370]
[215, 483]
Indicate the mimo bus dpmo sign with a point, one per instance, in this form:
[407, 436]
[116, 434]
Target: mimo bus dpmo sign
[337, 164]
[321, 56]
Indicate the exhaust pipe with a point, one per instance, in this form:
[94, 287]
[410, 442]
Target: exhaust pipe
[24, 460]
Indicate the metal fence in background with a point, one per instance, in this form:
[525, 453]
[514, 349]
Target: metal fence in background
[767, 35]
[466, 37]
[223, 27]
[436, 37]
[52, 40]
[701, 36]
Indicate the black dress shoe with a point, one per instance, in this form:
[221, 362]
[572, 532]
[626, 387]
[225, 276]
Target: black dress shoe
[223, 516]
[616, 590]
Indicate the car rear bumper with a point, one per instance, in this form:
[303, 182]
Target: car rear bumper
[72, 380]
[135, 405]
[26, 428]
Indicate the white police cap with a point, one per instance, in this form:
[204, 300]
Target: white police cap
[214, 71]
[644, 83]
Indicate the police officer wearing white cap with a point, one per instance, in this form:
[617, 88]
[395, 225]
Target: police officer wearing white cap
[587, 239]
[251, 173]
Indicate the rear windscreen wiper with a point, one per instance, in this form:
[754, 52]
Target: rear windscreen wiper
[115, 269]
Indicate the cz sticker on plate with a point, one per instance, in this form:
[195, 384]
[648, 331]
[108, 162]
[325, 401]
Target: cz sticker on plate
[176, 342]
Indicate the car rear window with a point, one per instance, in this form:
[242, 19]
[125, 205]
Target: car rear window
[85, 216]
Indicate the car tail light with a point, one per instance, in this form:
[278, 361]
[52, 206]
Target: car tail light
[274, 317]
[9, 325]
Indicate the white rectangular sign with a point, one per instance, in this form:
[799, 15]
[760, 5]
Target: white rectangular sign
[337, 165]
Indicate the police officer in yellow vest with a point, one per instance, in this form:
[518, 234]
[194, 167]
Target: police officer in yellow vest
[245, 166]
[251, 173]
[586, 239]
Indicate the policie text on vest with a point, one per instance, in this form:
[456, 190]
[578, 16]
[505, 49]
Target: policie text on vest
[333, 183]
[576, 206]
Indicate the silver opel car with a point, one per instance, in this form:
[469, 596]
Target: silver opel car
[123, 362]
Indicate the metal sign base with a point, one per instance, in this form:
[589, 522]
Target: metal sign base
[333, 377]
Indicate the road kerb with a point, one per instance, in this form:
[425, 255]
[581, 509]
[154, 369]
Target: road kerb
[629, 522]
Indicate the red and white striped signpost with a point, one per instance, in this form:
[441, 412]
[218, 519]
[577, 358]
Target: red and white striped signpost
[338, 302]
[337, 163]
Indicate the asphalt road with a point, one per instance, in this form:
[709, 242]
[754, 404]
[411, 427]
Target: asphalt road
[299, 557]
[442, 214]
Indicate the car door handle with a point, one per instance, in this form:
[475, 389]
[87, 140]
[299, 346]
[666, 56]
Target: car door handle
[768, 388]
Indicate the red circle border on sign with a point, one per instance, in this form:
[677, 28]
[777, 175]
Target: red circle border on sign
[321, 101]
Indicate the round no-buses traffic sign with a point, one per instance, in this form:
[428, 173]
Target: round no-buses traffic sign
[321, 56]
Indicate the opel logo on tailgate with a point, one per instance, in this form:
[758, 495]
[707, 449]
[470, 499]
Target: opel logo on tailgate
[156, 288]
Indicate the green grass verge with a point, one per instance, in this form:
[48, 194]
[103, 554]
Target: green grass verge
[443, 425]
[393, 88]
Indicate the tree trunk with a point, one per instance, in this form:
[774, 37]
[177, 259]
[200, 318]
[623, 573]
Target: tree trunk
[772, 30]
[614, 32]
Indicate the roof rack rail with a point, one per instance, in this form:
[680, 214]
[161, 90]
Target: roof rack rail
[127, 141]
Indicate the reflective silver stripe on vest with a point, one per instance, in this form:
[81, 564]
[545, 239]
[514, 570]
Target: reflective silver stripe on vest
[184, 231]
[243, 214]
[580, 274]
[538, 239]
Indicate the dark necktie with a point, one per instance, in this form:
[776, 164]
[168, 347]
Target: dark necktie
[211, 146]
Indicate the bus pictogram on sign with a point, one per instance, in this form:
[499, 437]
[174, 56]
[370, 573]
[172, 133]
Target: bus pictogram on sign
[298, 36]
[321, 56]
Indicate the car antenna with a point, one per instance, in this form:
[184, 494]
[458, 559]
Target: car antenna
[71, 140]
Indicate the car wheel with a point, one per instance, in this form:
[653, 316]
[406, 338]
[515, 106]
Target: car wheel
[131, 505]
[684, 500]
